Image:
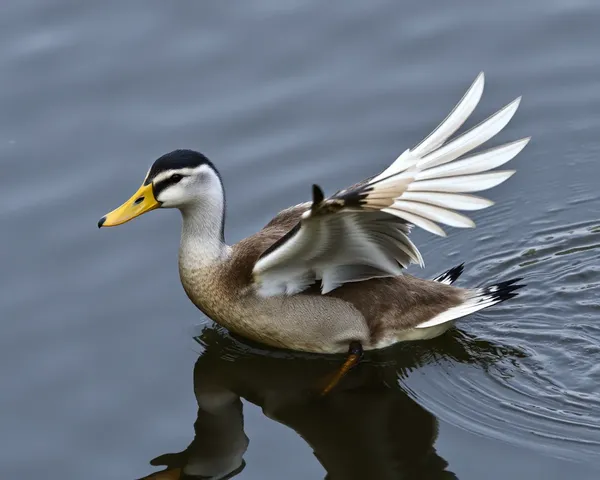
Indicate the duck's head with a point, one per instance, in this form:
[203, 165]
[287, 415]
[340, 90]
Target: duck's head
[179, 179]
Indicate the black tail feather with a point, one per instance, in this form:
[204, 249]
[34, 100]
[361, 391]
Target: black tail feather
[503, 290]
[450, 276]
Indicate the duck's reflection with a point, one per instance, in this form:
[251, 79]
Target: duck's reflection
[367, 427]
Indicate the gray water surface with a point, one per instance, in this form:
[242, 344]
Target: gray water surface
[96, 351]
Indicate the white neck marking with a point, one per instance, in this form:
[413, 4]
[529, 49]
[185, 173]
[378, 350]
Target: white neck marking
[202, 242]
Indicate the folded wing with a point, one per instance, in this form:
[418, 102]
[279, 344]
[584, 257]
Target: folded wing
[362, 232]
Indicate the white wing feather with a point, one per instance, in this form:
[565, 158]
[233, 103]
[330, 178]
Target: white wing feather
[362, 232]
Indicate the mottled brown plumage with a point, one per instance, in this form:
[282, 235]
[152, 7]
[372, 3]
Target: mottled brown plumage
[375, 312]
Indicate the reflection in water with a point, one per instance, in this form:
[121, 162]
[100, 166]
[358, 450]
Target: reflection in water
[367, 427]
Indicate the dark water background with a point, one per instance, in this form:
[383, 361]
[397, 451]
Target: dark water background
[96, 355]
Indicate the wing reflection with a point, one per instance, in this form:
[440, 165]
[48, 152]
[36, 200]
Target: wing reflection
[367, 427]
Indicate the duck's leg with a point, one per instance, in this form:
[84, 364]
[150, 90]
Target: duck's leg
[355, 353]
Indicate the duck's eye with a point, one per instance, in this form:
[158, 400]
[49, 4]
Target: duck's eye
[176, 177]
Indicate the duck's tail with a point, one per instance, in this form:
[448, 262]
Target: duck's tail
[477, 299]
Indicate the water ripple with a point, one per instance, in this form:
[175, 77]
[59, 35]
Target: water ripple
[556, 322]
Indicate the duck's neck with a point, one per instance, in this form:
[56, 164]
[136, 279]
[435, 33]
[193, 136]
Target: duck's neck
[202, 240]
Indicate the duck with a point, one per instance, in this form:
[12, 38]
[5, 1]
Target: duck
[329, 275]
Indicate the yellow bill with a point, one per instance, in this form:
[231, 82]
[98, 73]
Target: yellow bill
[141, 202]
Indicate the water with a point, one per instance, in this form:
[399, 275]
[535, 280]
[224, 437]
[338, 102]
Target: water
[96, 350]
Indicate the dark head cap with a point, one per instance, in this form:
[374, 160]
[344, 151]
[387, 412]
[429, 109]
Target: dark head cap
[176, 160]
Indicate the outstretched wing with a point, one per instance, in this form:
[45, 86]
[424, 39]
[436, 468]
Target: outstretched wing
[362, 232]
